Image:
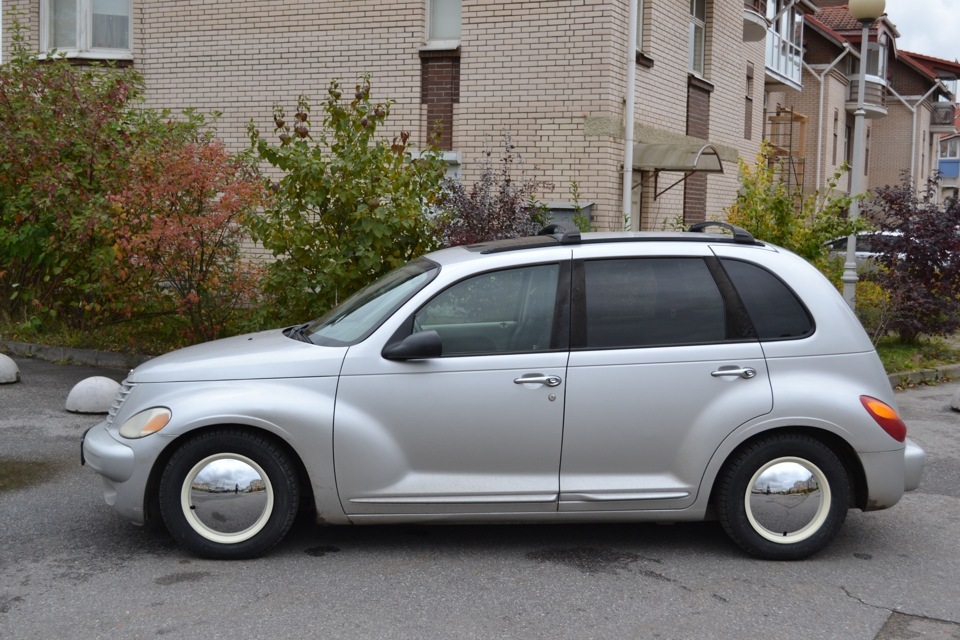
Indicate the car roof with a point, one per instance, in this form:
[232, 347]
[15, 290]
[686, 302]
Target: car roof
[555, 235]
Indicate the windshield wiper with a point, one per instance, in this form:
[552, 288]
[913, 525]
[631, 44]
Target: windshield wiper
[297, 333]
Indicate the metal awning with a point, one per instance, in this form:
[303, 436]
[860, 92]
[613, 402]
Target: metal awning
[683, 158]
[676, 157]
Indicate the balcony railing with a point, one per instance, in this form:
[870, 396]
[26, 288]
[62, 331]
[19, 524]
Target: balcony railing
[754, 20]
[942, 117]
[874, 97]
[784, 59]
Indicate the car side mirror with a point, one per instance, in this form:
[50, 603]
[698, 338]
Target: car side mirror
[416, 346]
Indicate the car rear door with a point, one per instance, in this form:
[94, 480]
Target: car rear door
[664, 364]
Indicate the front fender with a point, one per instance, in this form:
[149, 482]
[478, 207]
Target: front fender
[298, 411]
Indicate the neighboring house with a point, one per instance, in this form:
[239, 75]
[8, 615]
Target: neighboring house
[950, 166]
[907, 105]
[552, 74]
[921, 109]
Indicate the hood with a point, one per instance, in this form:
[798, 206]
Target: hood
[268, 354]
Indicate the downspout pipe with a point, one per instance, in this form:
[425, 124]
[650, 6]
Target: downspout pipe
[630, 99]
[913, 130]
[820, 78]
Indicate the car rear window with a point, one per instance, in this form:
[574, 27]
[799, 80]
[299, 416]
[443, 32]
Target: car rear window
[775, 310]
[641, 302]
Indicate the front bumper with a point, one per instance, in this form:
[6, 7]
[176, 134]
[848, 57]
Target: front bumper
[124, 481]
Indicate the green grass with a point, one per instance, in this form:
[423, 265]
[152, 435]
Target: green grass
[120, 338]
[898, 357]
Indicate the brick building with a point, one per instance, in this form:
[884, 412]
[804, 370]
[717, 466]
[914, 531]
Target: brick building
[907, 105]
[711, 79]
[552, 74]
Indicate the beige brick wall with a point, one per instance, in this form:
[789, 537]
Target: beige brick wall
[662, 97]
[542, 71]
[891, 141]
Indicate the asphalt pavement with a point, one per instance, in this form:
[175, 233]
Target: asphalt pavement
[70, 568]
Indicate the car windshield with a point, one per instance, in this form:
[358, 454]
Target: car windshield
[365, 310]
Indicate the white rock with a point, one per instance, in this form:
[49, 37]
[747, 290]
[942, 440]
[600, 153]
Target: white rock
[9, 373]
[92, 395]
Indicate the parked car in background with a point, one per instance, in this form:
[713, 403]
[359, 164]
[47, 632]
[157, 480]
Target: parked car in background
[867, 248]
[559, 378]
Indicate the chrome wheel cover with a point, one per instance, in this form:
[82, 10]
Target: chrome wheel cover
[787, 500]
[227, 498]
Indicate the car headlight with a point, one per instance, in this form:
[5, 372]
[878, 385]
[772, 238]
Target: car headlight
[146, 422]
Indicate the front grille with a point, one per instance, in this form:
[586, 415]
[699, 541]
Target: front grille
[121, 397]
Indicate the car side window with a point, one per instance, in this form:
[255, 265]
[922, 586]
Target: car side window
[775, 310]
[642, 302]
[507, 311]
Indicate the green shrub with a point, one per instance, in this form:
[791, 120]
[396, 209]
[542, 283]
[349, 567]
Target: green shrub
[769, 210]
[349, 206]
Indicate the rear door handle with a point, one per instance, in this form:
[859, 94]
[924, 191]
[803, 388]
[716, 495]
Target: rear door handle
[738, 372]
[536, 378]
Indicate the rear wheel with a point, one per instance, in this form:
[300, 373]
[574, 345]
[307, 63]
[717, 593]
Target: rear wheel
[784, 497]
[229, 494]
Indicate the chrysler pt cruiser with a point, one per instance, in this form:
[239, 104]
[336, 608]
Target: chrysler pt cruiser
[559, 378]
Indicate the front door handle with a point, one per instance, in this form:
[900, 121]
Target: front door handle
[738, 372]
[536, 378]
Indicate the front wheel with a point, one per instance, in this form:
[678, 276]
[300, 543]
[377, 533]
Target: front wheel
[229, 494]
[784, 497]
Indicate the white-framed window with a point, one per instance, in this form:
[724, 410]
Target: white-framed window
[950, 148]
[640, 42]
[876, 60]
[87, 28]
[443, 23]
[698, 36]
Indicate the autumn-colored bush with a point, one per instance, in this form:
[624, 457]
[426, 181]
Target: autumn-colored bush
[179, 226]
[62, 151]
[86, 177]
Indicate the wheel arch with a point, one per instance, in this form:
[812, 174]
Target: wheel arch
[151, 506]
[856, 475]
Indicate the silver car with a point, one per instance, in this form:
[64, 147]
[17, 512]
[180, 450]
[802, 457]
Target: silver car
[560, 378]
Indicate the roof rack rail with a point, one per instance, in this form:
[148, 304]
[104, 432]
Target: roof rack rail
[561, 234]
[740, 236]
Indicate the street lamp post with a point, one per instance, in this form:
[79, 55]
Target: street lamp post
[866, 12]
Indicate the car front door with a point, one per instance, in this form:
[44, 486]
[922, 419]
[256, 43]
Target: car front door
[475, 430]
[664, 364]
